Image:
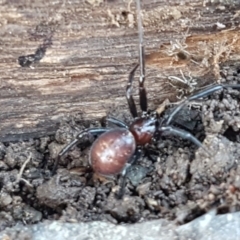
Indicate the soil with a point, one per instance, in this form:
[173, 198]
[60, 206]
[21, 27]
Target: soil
[173, 179]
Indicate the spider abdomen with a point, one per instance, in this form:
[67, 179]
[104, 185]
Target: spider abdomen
[111, 151]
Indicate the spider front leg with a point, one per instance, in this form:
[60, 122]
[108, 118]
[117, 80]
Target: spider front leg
[130, 100]
[142, 93]
[92, 131]
[142, 90]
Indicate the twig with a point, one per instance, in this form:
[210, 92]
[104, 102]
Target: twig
[19, 176]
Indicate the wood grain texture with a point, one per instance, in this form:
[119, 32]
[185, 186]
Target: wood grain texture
[94, 46]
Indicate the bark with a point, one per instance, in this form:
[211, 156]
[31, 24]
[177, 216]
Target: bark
[90, 48]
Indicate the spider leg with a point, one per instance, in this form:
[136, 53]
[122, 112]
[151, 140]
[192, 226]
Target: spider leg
[93, 131]
[130, 100]
[204, 93]
[125, 171]
[170, 130]
[142, 90]
[117, 122]
[149, 152]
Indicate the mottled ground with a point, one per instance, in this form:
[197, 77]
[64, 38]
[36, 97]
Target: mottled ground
[175, 181]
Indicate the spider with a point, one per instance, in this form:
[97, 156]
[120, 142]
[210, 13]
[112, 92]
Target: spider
[116, 149]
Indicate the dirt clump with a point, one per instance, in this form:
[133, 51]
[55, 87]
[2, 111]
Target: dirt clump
[176, 181]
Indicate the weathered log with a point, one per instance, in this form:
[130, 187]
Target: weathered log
[94, 46]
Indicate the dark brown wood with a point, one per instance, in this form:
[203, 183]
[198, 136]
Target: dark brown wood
[94, 46]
